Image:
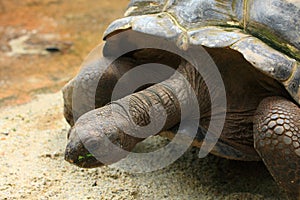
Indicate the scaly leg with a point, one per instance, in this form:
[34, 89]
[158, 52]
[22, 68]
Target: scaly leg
[277, 140]
[93, 85]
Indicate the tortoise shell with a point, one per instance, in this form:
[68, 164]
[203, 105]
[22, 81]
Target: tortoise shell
[266, 33]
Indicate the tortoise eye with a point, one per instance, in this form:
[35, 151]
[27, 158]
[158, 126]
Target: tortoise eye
[294, 87]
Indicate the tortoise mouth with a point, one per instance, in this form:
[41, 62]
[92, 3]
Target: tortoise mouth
[81, 157]
[90, 162]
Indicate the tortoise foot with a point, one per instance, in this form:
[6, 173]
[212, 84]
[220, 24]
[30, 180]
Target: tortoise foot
[277, 140]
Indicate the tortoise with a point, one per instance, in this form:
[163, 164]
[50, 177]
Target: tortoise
[256, 48]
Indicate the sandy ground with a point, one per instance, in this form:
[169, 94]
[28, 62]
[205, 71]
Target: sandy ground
[32, 142]
[33, 135]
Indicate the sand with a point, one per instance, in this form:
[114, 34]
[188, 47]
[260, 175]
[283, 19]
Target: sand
[32, 142]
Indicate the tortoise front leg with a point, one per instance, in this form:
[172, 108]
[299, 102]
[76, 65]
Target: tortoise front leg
[277, 140]
[93, 84]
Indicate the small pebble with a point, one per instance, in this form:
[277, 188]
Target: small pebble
[52, 49]
[94, 184]
[51, 155]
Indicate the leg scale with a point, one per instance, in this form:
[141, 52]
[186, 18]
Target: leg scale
[277, 140]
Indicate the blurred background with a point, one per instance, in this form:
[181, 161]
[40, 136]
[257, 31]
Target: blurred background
[43, 42]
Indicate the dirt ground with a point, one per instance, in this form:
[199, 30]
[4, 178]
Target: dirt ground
[42, 44]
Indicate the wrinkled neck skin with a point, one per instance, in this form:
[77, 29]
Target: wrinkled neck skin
[111, 132]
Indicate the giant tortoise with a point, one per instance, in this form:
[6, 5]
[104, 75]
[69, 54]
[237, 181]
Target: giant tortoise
[255, 46]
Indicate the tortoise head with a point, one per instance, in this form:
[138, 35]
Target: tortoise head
[96, 138]
[77, 154]
[82, 143]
